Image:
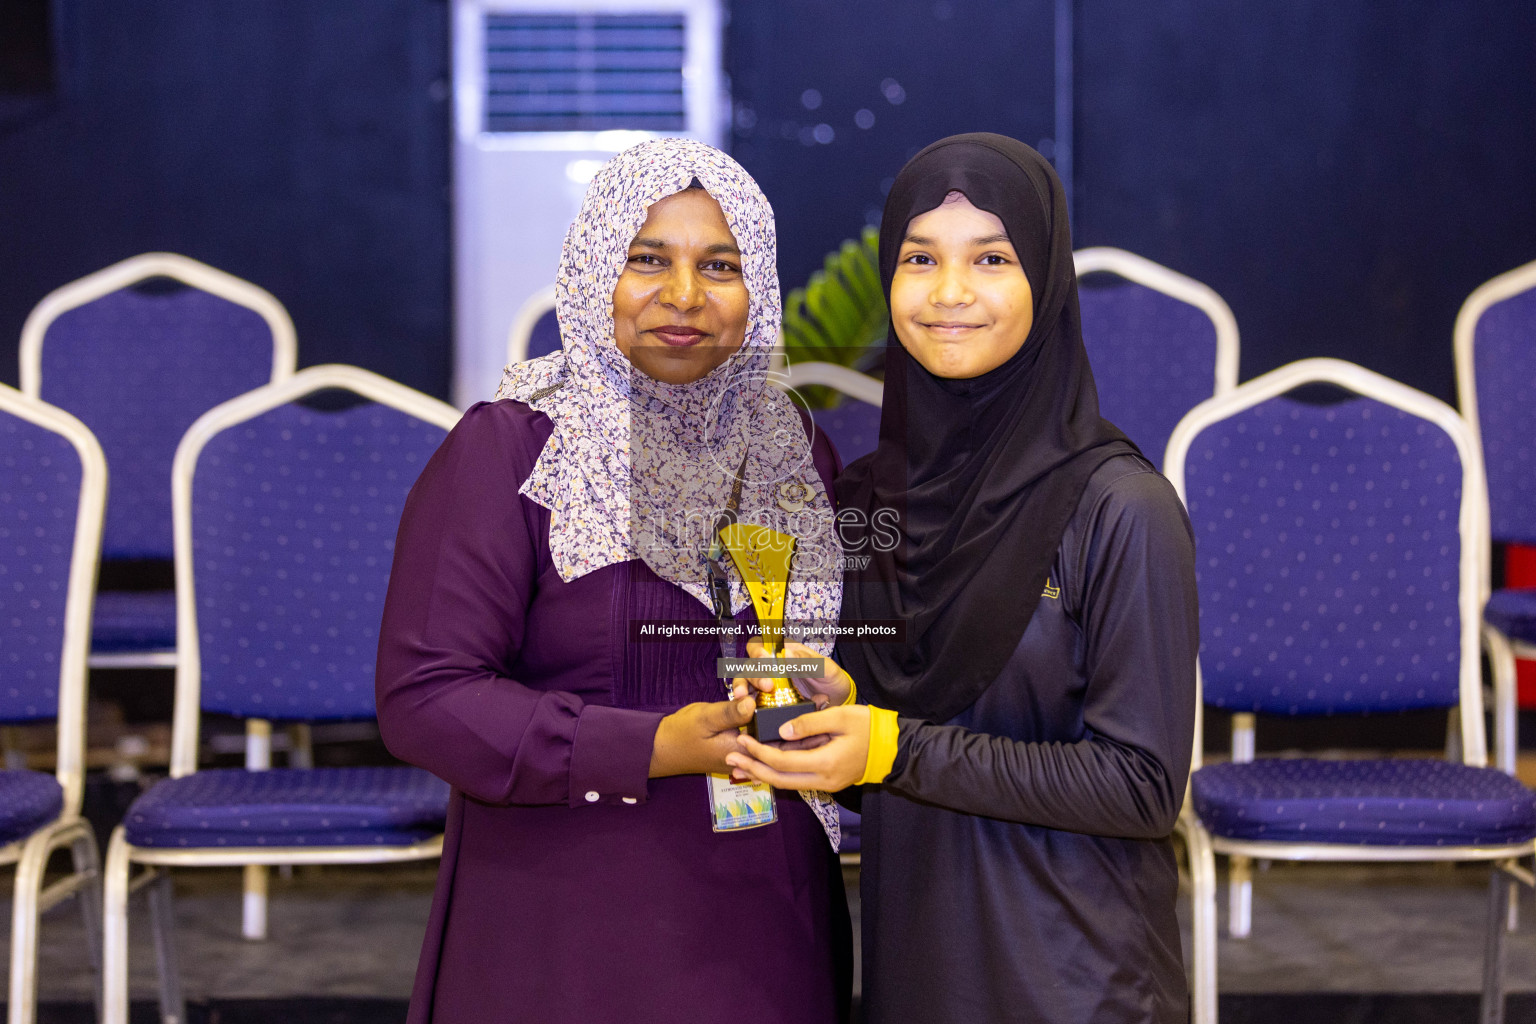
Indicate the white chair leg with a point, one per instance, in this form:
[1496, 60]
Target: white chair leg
[1506, 722]
[1239, 897]
[24, 915]
[301, 754]
[1240, 869]
[1501, 659]
[253, 908]
[1244, 736]
[1202, 878]
[114, 943]
[10, 743]
[31, 900]
[253, 905]
[162, 916]
[1492, 1011]
[1453, 736]
[301, 746]
[87, 862]
[1506, 744]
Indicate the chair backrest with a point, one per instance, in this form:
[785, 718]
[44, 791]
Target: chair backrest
[53, 493]
[1337, 547]
[853, 424]
[285, 519]
[1496, 386]
[1160, 343]
[137, 364]
[535, 331]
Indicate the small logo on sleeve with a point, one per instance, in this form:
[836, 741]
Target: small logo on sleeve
[1050, 591]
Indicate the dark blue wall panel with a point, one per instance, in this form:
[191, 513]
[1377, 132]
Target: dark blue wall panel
[303, 146]
[920, 69]
[1344, 173]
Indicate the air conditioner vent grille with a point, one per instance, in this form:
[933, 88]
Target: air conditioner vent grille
[562, 73]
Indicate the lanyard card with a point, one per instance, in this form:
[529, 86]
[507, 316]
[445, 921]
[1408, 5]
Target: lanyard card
[738, 805]
[735, 806]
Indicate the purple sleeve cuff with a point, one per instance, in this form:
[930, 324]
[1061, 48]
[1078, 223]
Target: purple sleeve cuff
[611, 755]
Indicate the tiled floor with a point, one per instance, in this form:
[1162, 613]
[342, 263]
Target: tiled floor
[355, 932]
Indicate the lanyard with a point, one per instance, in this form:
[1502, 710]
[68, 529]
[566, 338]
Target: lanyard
[719, 584]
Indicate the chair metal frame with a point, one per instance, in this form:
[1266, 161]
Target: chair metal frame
[840, 378]
[121, 855]
[528, 316]
[1502, 650]
[1202, 846]
[1148, 274]
[121, 275]
[30, 855]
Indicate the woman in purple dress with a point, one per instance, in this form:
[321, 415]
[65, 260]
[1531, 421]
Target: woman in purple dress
[583, 880]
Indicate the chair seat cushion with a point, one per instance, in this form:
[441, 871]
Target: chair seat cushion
[28, 801]
[290, 807]
[853, 426]
[1364, 803]
[1513, 613]
[134, 620]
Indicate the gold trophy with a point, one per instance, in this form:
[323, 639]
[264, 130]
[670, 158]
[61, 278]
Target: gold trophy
[762, 556]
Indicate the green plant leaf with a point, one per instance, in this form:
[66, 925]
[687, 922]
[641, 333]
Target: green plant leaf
[801, 334]
[839, 316]
[830, 305]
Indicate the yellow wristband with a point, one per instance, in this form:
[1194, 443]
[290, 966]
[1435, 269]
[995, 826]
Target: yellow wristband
[883, 732]
[853, 689]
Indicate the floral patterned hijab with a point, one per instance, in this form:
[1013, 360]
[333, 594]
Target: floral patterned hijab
[637, 468]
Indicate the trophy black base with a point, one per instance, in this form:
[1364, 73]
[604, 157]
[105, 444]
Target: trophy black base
[765, 724]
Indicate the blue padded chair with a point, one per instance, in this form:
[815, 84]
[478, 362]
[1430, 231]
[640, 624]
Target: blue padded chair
[53, 492]
[1160, 343]
[853, 425]
[137, 367]
[1496, 386]
[285, 522]
[535, 331]
[1339, 551]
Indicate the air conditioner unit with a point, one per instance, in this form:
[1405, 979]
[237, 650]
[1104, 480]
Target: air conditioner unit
[544, 93]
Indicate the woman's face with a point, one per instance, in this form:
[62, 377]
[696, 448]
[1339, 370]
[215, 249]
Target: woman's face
[960, 302]
[680, 307]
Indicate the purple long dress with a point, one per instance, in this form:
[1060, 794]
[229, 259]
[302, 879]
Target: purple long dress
[572, 887]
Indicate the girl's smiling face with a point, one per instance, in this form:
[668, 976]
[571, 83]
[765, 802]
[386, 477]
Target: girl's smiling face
[960, 302]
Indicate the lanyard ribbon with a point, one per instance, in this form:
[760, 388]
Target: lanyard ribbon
[714, 558]
[720, 600]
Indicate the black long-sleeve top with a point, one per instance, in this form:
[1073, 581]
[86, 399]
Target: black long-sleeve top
[1017, 865]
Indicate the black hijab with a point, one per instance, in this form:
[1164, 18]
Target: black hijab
[984, 473]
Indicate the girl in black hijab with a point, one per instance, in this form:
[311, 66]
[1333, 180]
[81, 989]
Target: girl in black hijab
[1024, 745]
